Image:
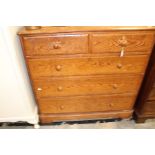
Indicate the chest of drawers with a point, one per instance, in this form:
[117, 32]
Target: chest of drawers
[80, 73]
[145, 104]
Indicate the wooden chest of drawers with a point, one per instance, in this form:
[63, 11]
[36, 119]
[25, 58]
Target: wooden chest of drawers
[145, 104]
[82, 73]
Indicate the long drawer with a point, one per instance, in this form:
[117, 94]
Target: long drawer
[91, 103]
[55, 44]
[44, 67]
[70, 86]
[114, 42]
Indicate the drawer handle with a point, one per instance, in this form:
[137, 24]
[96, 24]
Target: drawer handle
[111, 105]
[119, 66]
[39, 89]
[115, 86]
[58, 67]
[62, 107]
[122, 42]
[56, 46]
[59, 88]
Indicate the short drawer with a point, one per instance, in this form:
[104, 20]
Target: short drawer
[114, 42]
[70, 86]
[98, 103]
[45, 67]
[55, 44]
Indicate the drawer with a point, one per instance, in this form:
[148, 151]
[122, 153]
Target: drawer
[55, 44]
[70, 86]
[44, 67]
[152, 94]
[84, 104]
[114, 42]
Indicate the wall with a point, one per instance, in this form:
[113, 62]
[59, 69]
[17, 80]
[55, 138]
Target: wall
[16, 97]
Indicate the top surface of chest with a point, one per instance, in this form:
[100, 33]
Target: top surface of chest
[61, 29]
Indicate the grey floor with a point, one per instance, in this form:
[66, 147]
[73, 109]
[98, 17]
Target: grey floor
[123, 124]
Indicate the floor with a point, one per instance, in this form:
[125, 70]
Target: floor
[110, 124]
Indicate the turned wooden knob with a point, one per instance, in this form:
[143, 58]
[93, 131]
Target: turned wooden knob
[123, 42]
[62, 107]
[59, 88]
[58, 67]
[119, 66]
[115, 86]
[56, 46]
[111, 105]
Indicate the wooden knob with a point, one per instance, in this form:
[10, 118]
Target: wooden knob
[119, 66]
[111, 105]
[56, 46]
[58, 67]
[62, 107]
[115, 86]
[122, 42]
[59, 88]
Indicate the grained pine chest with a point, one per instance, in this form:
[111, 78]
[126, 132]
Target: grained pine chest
[82, 73]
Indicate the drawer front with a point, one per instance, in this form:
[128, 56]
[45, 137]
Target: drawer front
[56, 44]
[70, 86]
[114, 42]
[86, 66]
[152, 94]
[97, 103]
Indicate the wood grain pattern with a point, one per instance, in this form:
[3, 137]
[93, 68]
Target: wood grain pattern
[56, 44]
[61, 29]
[46, 67]
[48, 118]
[77, 72]
[70, 86]
[94, 103]
[113, 42]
